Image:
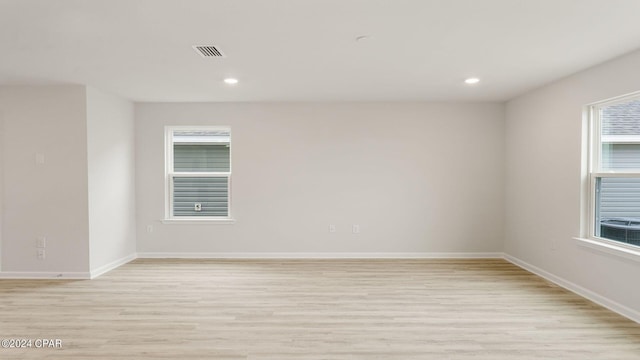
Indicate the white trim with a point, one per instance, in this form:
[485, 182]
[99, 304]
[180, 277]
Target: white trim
[604, 246]
[323, 255]
[196, 221]
[51, 275]
[168, 167]
[594, 153]
[594, 160]
[170, 174]
[620, 139]
[200, 174]
[626, 175]
[616, 99]
[577, 289]
[595, 140]
[112, 265]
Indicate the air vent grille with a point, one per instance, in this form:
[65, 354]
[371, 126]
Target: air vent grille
[208, 51]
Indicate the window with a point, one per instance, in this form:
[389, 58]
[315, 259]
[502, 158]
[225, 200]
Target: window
[614, 171]
[198, 175]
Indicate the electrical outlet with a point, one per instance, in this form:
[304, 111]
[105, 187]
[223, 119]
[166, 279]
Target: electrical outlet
[356, 229]
[197, 207]
[41, 242]
[149, 228]
[41, 254]
[332, 228]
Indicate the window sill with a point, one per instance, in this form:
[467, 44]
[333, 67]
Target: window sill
[611, 249]
[191, 221]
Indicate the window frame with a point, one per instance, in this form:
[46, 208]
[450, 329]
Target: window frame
[170, 175]
[595, 171]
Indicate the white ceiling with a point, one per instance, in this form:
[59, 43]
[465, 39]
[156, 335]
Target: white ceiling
[305, 50]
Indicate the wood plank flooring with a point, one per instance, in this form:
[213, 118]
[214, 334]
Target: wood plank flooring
[311, 309]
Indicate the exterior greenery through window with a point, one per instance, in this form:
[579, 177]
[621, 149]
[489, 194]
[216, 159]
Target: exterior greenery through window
[615, 171]
[198, 172]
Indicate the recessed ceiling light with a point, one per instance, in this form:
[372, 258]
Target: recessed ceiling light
[472, 81]
[230, 81]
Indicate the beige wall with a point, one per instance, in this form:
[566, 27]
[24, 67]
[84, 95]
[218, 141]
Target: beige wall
[82, 199]
[545, 171]
[415, 177]
[48, 199]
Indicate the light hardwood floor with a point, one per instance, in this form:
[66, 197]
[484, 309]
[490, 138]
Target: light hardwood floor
[312, 309]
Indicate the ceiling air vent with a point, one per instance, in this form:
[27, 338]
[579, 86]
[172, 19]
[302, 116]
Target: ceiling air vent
[208, 51]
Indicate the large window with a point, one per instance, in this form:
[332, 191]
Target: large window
[198, 175]
[615, 171]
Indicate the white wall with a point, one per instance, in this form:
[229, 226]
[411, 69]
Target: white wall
[48, 199]
[415, 177]
[111, 156]
[545, 170]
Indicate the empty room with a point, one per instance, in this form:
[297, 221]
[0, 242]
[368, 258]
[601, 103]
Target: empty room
[319, 179]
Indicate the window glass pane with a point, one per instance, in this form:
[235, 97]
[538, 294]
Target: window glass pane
[618, 209]
[620, 136]
[201, 157]
[200, 196]
[620, 156]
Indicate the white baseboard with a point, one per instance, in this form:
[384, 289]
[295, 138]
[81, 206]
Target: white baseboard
[577, 289]
[112, 265]
[244, 255]
[325, 255]
[44, 275]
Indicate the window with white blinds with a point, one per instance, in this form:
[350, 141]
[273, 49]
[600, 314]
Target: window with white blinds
[198, 172]
[614, 171]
